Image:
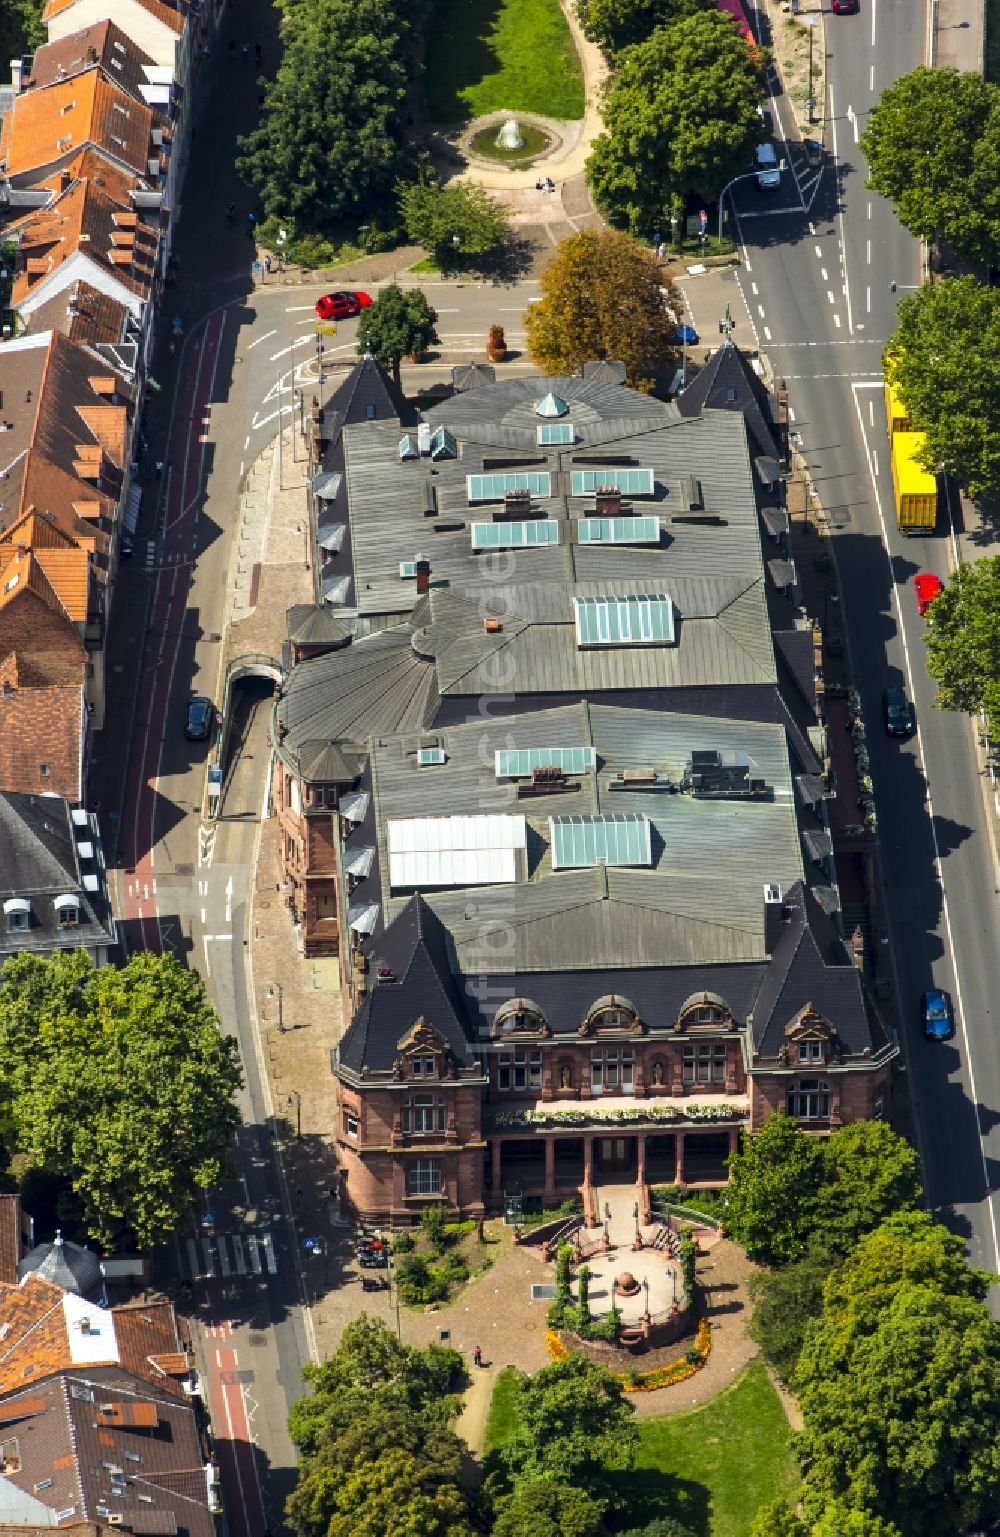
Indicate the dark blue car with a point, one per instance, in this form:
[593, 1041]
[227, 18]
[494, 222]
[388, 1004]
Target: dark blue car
[686, 336]
[935, 1011]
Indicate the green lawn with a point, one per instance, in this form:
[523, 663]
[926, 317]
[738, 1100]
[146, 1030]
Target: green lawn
[502, 1418]
[711, 1468]
[501, 55]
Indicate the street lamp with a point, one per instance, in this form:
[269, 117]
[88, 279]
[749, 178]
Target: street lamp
[645, 1288]
[673, 1286]
[635, 1215]
[296, 1098]
[743, 176]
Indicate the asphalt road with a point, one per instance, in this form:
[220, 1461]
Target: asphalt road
[817, 282]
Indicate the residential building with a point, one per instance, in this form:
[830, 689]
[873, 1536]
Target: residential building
[551, 785]
[53, 885]
[100, 1416]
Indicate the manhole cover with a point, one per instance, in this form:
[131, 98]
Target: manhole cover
[183, 869]
[839, 516]
[257, 1338]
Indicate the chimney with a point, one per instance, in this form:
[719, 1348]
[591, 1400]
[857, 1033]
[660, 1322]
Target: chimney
[91, 54]
[774, 916]
[64, 179]
[423, 575]
[18, 75]
[607, 501]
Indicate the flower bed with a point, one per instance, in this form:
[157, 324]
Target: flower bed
[660, 1376]
[619, 1115]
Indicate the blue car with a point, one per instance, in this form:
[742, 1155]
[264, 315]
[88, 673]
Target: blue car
[935, 1010]
[686, 336]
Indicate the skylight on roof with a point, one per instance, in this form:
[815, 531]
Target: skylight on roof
[643, 620]
[453, 851]
[578, 842]
[515, 536]
[493, 488]
[554, 434]
[551, 405]
[630, 482]
[521, 762]
[619, 530]
[443, 444]
[408, 446]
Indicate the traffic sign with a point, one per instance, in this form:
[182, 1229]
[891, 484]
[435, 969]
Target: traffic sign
[325, 328]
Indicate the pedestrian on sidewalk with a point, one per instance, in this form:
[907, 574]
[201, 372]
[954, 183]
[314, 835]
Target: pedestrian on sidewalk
[477, 1357]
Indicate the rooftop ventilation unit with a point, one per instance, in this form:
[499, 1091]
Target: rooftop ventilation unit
[714, 775]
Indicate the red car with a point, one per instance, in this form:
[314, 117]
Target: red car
[927, 587]
[343, 305]
[843, 7]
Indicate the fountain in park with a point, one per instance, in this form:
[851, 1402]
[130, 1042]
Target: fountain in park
[510, 135]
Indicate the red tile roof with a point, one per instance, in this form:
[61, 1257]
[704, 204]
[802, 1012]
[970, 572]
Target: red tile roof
[171, 17]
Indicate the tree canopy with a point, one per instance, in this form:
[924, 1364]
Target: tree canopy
[397, 323]
[933, 147]
[378, 1452]
[453, 222]
[945, 359]
[332, 138]
[119, 1080]
[617, 24]
[963, 641]
[574, 1425]
[901, 1411]
[680, 116]
[788, 1189]
[21, 29]
[603, 296]
[542, 1508]
[786, 1301]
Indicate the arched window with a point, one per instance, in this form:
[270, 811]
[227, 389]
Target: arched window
[519, 1016]
[809, 1100]
[704, 1011]
[612, 1012]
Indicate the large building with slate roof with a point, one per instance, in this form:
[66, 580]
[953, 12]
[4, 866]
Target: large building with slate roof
[553, 792]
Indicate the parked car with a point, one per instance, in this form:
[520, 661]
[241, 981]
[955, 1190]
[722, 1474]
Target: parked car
[936, 1014]
[927, 587]
[685, 336]
[198, 718]
[768, 170]
[767, 122]
[342, 305]
[843, 7]
[126, 547]
[897, 711]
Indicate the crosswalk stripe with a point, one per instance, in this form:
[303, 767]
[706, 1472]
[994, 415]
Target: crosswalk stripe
[227, 1268]
[206, 1244]
[193, 1260]
[241, 1264]
[251, 1254]
[254, 1254]
[268, 1247]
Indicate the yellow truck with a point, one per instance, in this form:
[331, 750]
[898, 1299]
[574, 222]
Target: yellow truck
[915, 489]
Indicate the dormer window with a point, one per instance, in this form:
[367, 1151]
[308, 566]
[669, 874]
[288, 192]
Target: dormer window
[704, 1011]
[519, 1016]
[611, 1012]
[423, 1067]
[17, 915]
[810, 1051]
[67, 911]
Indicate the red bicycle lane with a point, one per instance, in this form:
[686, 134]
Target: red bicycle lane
[186, 454]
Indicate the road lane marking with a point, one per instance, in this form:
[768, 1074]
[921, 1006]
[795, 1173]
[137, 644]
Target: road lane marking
[852, 118]
[817, 248]
[286, 351]
[268, 1246]
[227, 1268]
[871, 78]
[824, 274]
[767, 334]
[829, 295]
[206, 1245]
[836, 321]
[255, 1264]
[840, 217]
[753, 288]
[262, 339]
[296, 309]
[868, 300]
[760, 311]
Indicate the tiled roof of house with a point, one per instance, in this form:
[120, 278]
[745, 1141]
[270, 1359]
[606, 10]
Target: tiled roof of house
[86, 315]
[173, 17]
[88, 219]
[44, 1336]
[46, 125]
[103, 44]
[66, 564]
[42, 676]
